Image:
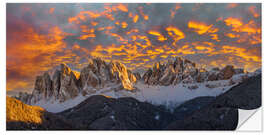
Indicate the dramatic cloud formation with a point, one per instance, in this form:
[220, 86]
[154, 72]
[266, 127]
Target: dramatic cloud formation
[41, 36]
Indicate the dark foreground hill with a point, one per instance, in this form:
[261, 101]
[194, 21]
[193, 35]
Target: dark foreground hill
[222, 112]
[104, 113]
[99, 112]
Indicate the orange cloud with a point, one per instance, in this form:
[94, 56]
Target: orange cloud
[215, 37]
[82, 16]
[201, 28]
[122, 7]
[124, 25]
[241, 52]
[204, 49]
[252, 30]
[232, 5]
[51, 10]
[252, 10]
[84, 37]
[35, 53]
[132, 31]
[231, 35]
[87, 33]
[186, 49]
[173, 11]
[107, 13]
[15, 84]
[135, 18]
[155, 33]
[105, 28]
[146, 17]
[234, 22]
[94, 23]
[175, 33]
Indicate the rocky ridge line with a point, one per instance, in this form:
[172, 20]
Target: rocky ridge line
[185, 71]
[63, 84]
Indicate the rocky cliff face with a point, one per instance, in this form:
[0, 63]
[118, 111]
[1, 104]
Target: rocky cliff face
[63, 84]
[99, 74]
[185, 71]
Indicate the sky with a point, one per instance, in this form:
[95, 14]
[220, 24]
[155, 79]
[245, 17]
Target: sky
[42, 36]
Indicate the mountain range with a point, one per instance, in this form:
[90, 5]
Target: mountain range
[100, 77]
[173, 95]
[99, 112]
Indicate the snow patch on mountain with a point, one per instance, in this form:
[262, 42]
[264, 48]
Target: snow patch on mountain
[56, 106]
[173, 95]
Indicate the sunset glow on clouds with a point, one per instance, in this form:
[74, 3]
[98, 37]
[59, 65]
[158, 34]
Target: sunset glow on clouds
[41, 36]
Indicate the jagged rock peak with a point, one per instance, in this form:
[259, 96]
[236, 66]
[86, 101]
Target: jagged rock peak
[158, 66]
[99, 74]
[62, 85]
[65, 69]
[227, 72]
[42, 88]
[186, 71]
[172, 72]
[126, 77]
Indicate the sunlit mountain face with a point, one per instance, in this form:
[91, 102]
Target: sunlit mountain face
[41, 36]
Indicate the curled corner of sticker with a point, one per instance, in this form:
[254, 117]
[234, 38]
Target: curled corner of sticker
[249, 120]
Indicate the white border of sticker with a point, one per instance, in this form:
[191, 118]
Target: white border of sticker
[253, 120]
